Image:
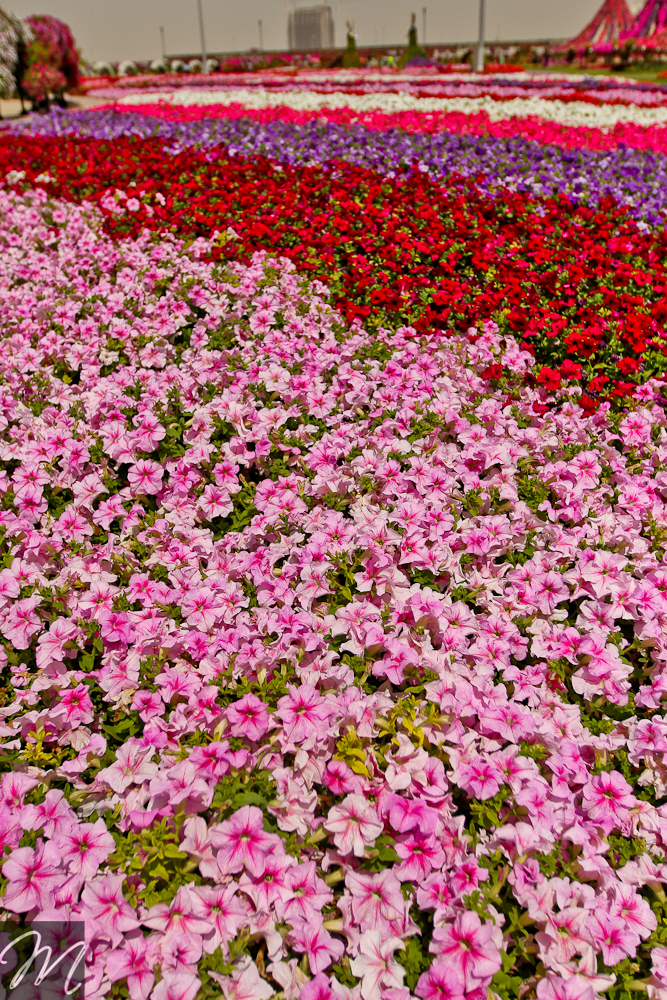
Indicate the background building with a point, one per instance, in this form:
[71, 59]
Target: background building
[310, 28]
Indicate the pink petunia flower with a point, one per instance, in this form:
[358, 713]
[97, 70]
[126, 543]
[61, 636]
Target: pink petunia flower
[132, 766]
[54, 815]
[115, 626]
[223, 910]
[177, 917]
[14, 786]
[608, 799]
[354, 824]
[31, 503]
[244, 983]
[375, 898]
[180, 952]
[33, 875]
[248, 717]
[201, 608]
[304, 713]
[554, 988]
[468, 946]
[317, 988]
[634, 910]
[420, 853]
[181, 986]
[441, 982]
[134, 961]
[85, 846]
[106, 908]
[376, 966]
[215, 502]
[76, 705]
[50, 645]
[309, 894]
[320, 947]
[145, 477]
[242, 842]
[612, 936]
[22, 622]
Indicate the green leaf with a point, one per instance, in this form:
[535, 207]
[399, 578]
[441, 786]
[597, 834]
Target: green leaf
[414, 960]
[87, 661]
[506, 986]
[172, 851]
[158, 870]
[249, 799]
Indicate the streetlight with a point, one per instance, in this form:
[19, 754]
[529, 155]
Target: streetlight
[423, 25]
[479, 61]
[261, 36]
[204, 57]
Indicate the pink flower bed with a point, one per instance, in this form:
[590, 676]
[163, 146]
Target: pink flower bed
[328, 667]
[653, 138]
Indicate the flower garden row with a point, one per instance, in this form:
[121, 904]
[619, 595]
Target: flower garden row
[418, 83]
[570, 110]
[499, 156]
[333, 594]
[585, 289]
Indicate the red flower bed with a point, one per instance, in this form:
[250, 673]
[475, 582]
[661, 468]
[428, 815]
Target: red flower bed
[586, 290]
[503, 68]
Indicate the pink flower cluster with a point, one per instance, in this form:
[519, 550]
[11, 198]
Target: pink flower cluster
[320, 653]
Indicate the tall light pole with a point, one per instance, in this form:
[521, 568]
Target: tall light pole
[261, 36]
[479, 60]
[204, 57]
[164, 47]
[423, 25]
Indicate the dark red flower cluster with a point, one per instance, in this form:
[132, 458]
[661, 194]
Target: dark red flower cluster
[585, 290]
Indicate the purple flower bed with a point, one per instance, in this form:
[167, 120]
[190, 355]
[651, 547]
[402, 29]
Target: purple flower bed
[635, 178]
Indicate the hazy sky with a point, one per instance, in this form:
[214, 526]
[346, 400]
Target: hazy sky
[130, 29]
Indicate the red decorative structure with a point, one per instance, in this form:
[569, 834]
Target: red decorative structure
[649, 22]
[612, 21]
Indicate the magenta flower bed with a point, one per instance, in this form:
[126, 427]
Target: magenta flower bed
[652, 138]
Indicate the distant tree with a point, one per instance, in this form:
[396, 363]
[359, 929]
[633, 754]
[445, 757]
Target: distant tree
[51, 60]
[15, 36]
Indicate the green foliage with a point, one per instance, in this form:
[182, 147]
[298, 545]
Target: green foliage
[415, 960]
[222, 962]
[236, 790]
[532, 489]
[350, 748]
[153, 855]
[120, 728]
[518, 556]
[506, 985]
[341, 580]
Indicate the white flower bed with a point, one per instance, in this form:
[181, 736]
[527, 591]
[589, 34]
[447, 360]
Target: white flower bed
[576, 113]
